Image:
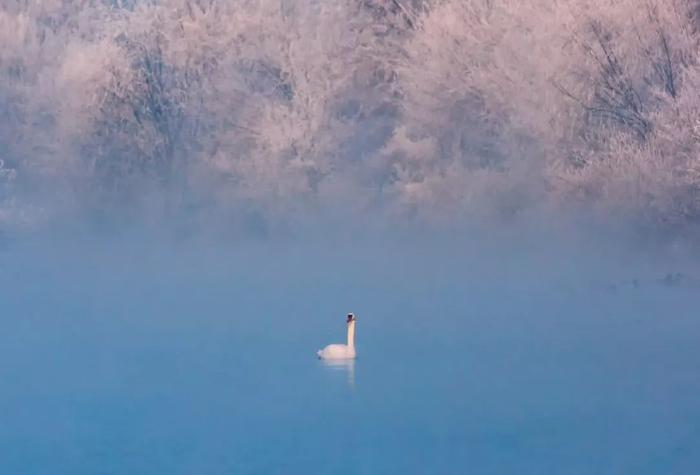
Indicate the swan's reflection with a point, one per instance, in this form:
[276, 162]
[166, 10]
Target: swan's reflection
[342, 365]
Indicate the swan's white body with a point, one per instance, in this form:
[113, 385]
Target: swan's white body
[339, 351]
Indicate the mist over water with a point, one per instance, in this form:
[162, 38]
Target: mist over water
[139, 354]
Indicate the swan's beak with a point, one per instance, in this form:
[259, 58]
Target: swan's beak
[351, 317]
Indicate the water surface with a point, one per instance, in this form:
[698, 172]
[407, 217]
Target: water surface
[149, 360]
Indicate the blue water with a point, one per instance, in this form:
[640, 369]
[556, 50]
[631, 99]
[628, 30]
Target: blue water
[148, 359]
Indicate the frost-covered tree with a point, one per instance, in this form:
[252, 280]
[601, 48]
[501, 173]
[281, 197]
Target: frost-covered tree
[436, 109]
[635, 147]
[516, 105]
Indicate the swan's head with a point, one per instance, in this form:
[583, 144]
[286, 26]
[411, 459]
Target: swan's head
[351, 317]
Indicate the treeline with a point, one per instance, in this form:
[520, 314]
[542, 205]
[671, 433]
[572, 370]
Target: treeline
[438, 110]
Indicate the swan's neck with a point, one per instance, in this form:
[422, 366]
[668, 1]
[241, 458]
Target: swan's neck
[351, 334]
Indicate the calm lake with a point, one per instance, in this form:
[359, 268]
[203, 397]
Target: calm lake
[146, 359]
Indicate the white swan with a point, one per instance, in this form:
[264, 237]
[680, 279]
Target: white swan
[338, 351]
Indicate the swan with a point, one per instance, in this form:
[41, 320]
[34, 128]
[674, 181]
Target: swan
[338, 351]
